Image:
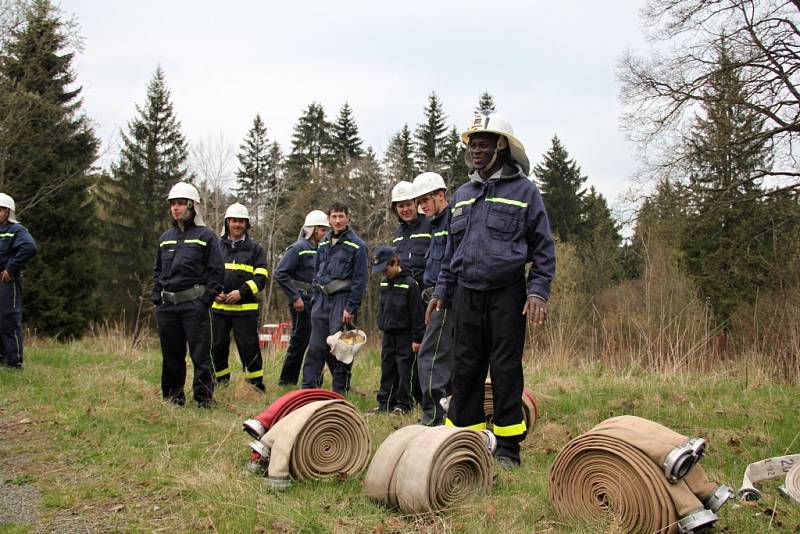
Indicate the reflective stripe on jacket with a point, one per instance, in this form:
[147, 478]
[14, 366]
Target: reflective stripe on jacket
[401, 306]
[496, 227]
[188, 258]
[245, 270]
[344, 260]
[297, 263]
[411, 243]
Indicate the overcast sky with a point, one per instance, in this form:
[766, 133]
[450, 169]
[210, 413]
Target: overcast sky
[550, 66]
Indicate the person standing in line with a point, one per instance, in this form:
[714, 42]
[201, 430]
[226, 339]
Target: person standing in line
[237, 306]
[187, 276]
[295, 273]
[498, 225]
[338, 287]
[434, 362]
[401, 318]
[17, 247]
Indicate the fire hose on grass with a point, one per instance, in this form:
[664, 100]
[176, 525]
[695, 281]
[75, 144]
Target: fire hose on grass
[643, 473]
[322, 439]
[768, 469]
[260, 424]
[421, 469]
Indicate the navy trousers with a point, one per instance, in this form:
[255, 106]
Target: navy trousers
[11, 323]
[326, 319]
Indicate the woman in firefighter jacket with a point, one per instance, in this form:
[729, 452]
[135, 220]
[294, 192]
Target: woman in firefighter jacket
[237, 306]
[188, 274]
[498, 224]
[295, 273]
[339, 283]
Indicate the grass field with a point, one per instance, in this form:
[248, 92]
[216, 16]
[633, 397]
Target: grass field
[87, 445]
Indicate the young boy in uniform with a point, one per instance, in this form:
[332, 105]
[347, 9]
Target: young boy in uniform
[401, 318]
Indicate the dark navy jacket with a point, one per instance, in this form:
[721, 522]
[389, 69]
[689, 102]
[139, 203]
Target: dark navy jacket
[17, 247]
[496, 227]
[346, 260]
[297, 263]
[433, 259]
[245, 270]
[411, 243]
[188, 258]
[401, 306]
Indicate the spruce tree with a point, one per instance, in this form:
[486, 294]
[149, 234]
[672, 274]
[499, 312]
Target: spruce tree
[345, 141]
[561, 185]
[152, 160]
[253, 156]
[598, 243]
[454, 167]
[46, 167]
[431, 136]
[311, 144]
[485, 102]
[399, 159]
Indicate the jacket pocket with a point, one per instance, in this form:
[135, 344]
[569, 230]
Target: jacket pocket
[502, 223]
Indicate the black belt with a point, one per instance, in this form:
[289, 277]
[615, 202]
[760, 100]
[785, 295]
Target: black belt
[334, 286]
[186, 295]
[302, 286]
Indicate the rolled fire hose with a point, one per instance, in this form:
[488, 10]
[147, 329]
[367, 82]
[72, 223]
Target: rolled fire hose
[530, 409]
[284, 405]
[768, 469]
[628, 466]
[318, 440]
[422, 469]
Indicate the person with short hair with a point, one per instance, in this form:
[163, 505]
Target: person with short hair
[498, 225]
[17, 247]
[295, 274]
[401, 318]
[187, 276]
[236, 307]
[338, 288]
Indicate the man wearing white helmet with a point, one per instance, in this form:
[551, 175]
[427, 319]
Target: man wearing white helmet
[17, 247]
[295, 273]
[237, 306]
[435, 361]
[498, 225]
[187, 276]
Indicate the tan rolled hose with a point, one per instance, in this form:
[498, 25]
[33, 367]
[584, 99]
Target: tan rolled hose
[530, 409]
[616, 468]
[319, 440]
[423, 469]
[770, 468]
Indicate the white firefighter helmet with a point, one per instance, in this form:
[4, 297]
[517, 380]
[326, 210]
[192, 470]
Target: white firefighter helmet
[492, 122]
[7, 202]
[189, 192]
[316, 218]
[428, 182]
[237, 211]
[403, 191]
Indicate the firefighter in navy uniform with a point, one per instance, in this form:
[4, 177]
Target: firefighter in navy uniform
[295, 273]
[498, 225]
[338, 287]
[435, 361]
[412, 237]
[187, 276]
[17, 247]
[237, 306]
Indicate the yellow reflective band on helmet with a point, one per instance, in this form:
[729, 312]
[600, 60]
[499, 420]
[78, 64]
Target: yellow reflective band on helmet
[416, 236]
[222, 373]
[252, 285]
[307, 252]
[255, 374]
[7, 235]
[463, 203]
[170, 242]
[479, 426]
[440, 234]
[195, 242]
[402, 286]
[396, 239]
[261, 270]
[235, 307]
[239, 267]
[352, 244]
[511, 430]
[508, 201]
